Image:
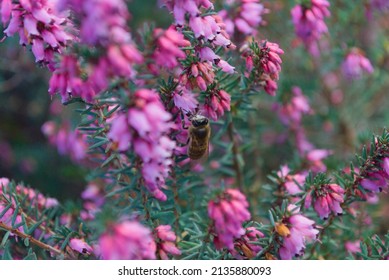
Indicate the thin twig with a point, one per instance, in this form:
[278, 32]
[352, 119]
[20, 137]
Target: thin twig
[32, 240]
[176, 201]
[235, 153]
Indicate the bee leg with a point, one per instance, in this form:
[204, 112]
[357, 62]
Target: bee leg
[183, 121]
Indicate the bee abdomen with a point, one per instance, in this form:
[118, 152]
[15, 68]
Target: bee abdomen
[197, 152]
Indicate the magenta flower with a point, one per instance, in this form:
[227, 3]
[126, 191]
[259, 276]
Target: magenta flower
[291, 182]
[93, 198]
[144, 128]
[168, 50]
[228, 212]
[165, 239]
[182, 7]
[184, 99]
[244, 17]
[353, 247]
[244, 247]
[80, 246]
[264, 61]
[216, 103]
[355, 64]
[326, 199]
[309, 23]
[270, 59]
[296, 231]
[374, 181]
[38, 24]
[66, 79]
[3, 183]
[103, 25]
[120, 133]
[127, 240]
[291, 113]
[199, 75]
[67, 141]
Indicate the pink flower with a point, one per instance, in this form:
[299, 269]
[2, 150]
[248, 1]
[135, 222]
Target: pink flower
[291, 182]
[225, 66]
[184, 100]
[38, 24]
[296, 231]
[244, 247]
[199, 75]
[355, 64]
[66, 79]
[216, 103]
[104, 26]
[127, 240]
[3, 183]
[168, 50]
[374, 182]
[245, 17]
[263, 61]
[353, 247]
[68, 142]
[6, 11]
[291, 113]
[181, 7]
[80, 246]
[166, 239]
[120, 133]
[93, 198]
[228, 212]
[144, 128]
[308, 20]
[326, 199]
[270, 58]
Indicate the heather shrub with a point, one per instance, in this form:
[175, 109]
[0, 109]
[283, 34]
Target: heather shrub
[194, 129]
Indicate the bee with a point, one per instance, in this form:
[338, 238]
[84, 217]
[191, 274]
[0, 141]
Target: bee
[199, 135]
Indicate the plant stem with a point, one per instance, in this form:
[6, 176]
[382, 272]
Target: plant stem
[235, 153]
[32, 240]
[176, 201]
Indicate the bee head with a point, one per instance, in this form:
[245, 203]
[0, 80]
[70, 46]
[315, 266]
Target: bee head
[199, 120]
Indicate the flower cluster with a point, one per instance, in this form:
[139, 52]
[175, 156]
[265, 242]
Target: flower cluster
[104, 26]
[355, 64]
[296, 230]
[165, 239]
[168, 45]
[264, 63]
[216, 103]
[128, 240]
[290, 114]
[13, 199]
[93, 200]
[308, 20]
[326, 199]
[66, 80]
[376, 179]
[201, 63]
[243, 16]
[80, 246]
[7, 215]
[38, 24]
[291, 182]
[145, 128]
[245, 247]
[68, 142]
[228, 212]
